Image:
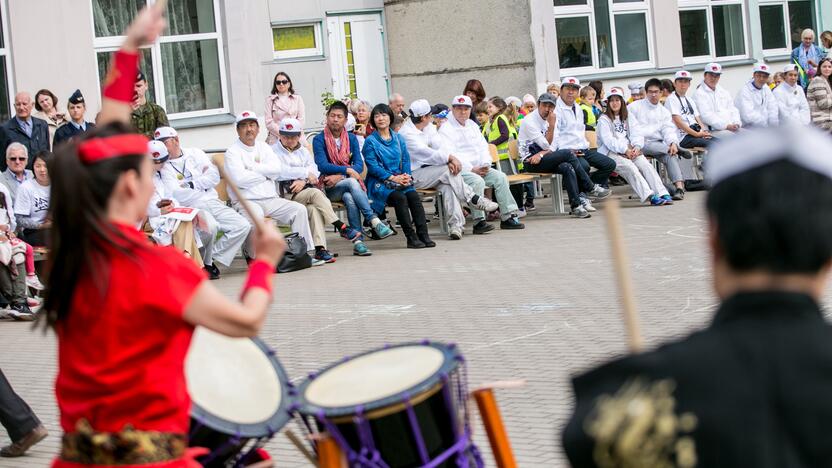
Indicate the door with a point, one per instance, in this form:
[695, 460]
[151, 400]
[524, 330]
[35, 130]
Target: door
[356, 44]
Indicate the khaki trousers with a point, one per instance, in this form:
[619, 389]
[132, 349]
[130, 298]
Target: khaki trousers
[320, 212]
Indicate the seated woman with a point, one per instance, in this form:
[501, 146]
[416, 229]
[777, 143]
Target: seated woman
[31, 206]
[8, 226]
[614, 141]
[389, 181]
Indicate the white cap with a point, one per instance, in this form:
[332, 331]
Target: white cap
[635, 87]
[616, 91]
[714, 68]
[790, 68]
[164, 132]
[157, 150]
[290, 127]
[683, 75]
[350, 125]
[246, 115]
[529, 99]
[514, 100]
[420, 108]
[805, 146]
[571, 81]
[762, 68]
[462, 101]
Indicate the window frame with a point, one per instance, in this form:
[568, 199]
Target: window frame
[786, 24]
[587, 10]
[294, 55]
[6, 52]
[708, 6]
[113, 43]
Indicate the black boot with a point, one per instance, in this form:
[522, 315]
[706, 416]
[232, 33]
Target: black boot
[422, 232]
[413, 241]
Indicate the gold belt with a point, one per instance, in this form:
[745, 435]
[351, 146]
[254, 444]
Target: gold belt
[128, 447]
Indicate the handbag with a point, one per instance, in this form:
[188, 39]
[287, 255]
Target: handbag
[295, 258]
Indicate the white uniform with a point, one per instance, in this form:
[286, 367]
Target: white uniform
[757, 106]
[716, 107]
[792, 105]
[195, 178]
[295, 165]
[255, 169]
[653, 131]
[685, 108]
[164, 186]
[614, 141]
[571, 131]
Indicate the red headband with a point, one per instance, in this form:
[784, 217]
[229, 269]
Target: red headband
[99, 149]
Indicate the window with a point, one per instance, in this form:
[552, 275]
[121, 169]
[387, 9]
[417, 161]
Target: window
[5, 68]
[601, 34]
[185, 69]
[783, 22]
[712, 29]
[297, 41]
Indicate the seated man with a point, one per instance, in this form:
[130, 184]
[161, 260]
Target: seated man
[17, 157]
[338, 157]
[253, 166]
[465, 140]
[757, 106]
[653, 133]
[690, 129]
[434, 167]
[539, 154]
[793, 108]
[298, 180]
[196, 176]
[716, 107]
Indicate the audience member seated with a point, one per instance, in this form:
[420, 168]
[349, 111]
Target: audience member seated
[360, 109]
[636, 92]
[690, 129]
[338, 157]
[298, 181]
[819, 96]
[630, 163]
[8, 226]
[715, 104]
[539, 153]
[792, 106]
[13, 289]
[466, 143]
[223, 230]
[480, 113]
[396, 103]
[390, 181]
[529, 104]
[808, 55]
[587, 105]
[76, 107]
[553, 88]
[434, 167]
[31, 206]
[756, 103]
[653, 133]
[46, 109]
[254, 167]
[147, 116]
[23, 128]
[17, 158]
[667, 90]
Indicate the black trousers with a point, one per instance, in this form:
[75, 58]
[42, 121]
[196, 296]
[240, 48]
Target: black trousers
[693, 142]
[35, 237]
[409, 211]
[565, 163]
[15, 414]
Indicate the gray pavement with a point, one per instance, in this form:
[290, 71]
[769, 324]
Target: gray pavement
[539, 304]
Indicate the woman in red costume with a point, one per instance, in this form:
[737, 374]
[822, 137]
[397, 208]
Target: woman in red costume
[123, 309]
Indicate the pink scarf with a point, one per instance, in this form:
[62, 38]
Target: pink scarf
[339, 157]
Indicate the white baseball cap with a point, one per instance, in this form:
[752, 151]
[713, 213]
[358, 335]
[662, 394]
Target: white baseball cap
[162, 133]
[462, 101]
[420, 108]
[571, 81]
[157, 149]
[245, 115]
[636, 87]
[290, 127]
[790, 68]
[683, 75]
[616, 91]
[762, 68]
[714, 68]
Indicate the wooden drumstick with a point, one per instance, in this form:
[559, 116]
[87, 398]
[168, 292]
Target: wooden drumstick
[625, 286]
[255, 220]
[299, 445]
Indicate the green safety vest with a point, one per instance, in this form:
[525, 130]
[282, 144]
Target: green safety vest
[491, 131]
[590, 115]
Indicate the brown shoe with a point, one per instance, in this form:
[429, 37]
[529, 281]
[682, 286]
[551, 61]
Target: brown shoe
[20, 447]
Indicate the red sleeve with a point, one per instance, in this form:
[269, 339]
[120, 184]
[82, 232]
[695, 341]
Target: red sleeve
[178, 279]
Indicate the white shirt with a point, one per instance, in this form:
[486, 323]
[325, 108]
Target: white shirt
[685, 108]
[533, 130]
[792, 106]
[613, 136]
[757, 106]
[295, 165]
[716, 107]
[466, 143]
[7, 215]
[193, 167]
[425, 146]
[32, 201]
[571, 129]
[254, 169]
[164, 187]
[651, 122]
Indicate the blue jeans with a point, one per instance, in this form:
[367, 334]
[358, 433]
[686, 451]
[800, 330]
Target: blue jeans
[604, 166]
[565, 163]
[349, 192]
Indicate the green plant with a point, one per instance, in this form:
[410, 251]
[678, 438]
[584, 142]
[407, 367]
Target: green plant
[327, 98]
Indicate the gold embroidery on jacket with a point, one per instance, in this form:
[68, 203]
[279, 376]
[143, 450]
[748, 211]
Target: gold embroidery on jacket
[128, 447]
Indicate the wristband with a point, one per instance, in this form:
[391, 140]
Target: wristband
[259, 276]
[121, 79]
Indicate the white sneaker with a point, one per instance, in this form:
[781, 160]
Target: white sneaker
[599, 193]
[483, 204]
[317, 262]
[33, 282]
[587, 205]
[580, 212]
[521, 213]
[455, 234]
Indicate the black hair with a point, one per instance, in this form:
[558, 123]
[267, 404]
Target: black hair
[382, 109]
[274, 85]
[652, 82]
[598, 86]
[44, 156]
[338, 105]
[667, 85]
[78, 209]
[757, 227]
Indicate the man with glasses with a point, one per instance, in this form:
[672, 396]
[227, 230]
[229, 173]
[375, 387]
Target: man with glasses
[23, 128]
[17, 156]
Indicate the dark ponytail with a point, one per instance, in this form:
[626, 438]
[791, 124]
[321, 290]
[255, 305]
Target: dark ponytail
[80, 231]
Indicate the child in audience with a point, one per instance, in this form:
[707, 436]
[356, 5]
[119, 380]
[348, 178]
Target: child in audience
[481, 111]
[587, 105]
[529, 105]
[776, 80]
[667, 90]
[554, 89]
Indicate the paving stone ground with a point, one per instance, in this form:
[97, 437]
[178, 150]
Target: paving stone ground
[539, 304]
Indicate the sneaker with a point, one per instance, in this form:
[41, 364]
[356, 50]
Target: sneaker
[599, 193]
[360, 249]
[22, 313]
[580, 212]
[455, 234]
[657, 201]
[512, 223]
[679, 194]
[668, 200]
[324, 256]
[350, 234]
[33, 282]
[529, 206]
[317, 262]
[382, 230]
[482, 227]
[521, 213]
[587, 204]
[481, 203]
[211, 270]
[19, 448]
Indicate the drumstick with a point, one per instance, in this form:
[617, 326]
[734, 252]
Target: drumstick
[299, 445]
[622, 273]
[501, 384]
[255, 220]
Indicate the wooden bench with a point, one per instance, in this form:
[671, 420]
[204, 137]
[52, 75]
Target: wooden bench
[555, 180]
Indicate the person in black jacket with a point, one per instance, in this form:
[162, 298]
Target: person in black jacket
[76, 107]
[31, 132]
[752, 389]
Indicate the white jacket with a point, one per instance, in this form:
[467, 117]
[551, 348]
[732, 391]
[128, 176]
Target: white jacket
[426, 147]
[164, 186]
[295, 165]
[533, 129]
[613, 137]
[716, 107]
[254, 169]
[195, 177]
[466, 143]
[793, 108]
[651, 122]
[757, 106]
[571, 131]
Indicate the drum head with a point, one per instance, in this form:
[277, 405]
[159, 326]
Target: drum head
[236, 386]
[377, 379]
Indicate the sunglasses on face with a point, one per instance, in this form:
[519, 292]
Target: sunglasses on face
[281, 82]
[17, 159]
